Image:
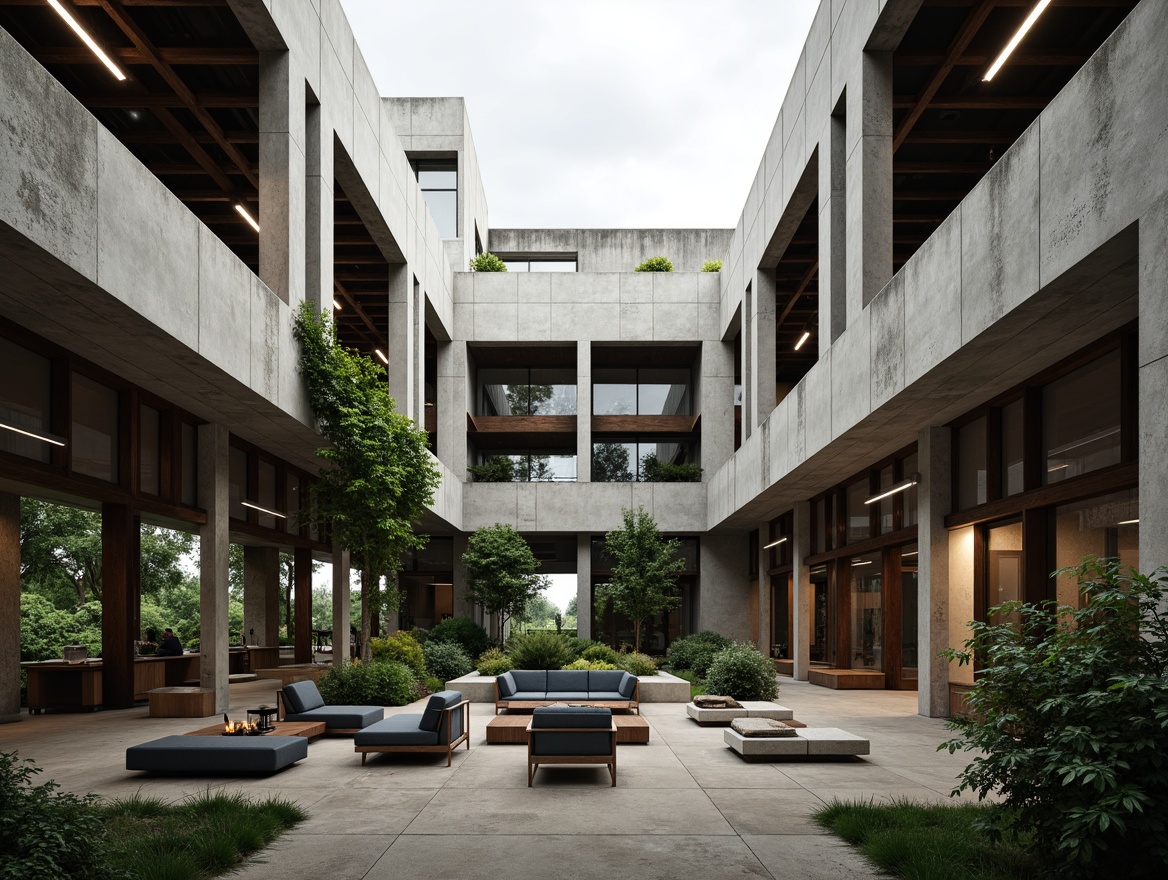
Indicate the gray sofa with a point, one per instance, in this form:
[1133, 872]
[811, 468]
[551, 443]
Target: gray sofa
[610, 688]
[301, 701]
[442, 727]
[571, 735]
[217, 755]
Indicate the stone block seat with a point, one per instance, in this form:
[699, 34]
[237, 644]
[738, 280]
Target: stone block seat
[805, 743]
[608, 688]
[217, 755]
[746, 709]
[301, 701]
[571, 735]
[442, 727]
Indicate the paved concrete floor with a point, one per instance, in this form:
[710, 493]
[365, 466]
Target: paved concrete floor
[684, 806]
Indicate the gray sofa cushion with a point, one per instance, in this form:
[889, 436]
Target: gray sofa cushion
[528, 695]
[529, 681]
[568, 695]
[217, 754]
[628, 686]
[545, 740]
[567, 681]
[396, 730]
[302, 696]
[606, 695]
[432, 717]
[506, 683]
[605, 680]
[340, 717]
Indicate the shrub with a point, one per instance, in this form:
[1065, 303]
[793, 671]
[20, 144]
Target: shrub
[540, 650]
[637, 664]
[447, 660]
[487, 262]
[431, 684]
[653, 470]
[742, 672]
[655, 264]
[1069, 720]
[603, 653]
[712, 266]
[590, 664]
[696, 652]
[462, 631]
[494, 661]
[400, 648]
[497, 469]
[384, 683]
[47, 834]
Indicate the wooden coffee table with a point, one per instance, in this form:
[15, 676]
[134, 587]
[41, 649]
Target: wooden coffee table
[512, 729]
[310, 730]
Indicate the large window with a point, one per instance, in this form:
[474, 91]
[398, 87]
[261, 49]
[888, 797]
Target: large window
[528, 392]
[95, 429]
[1108, 525]
[538, 467]
[546, 263]
[438, 179]
[25, 402]
[629, 460]
[647, 391]
[1081, 420]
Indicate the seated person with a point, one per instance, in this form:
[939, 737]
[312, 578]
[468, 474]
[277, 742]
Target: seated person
[170, 645]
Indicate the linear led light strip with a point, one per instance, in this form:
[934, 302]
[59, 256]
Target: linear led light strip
[1016, 39]
[243, 212]
[774, 544]
[263, 509]
[806, 335]
[40, 437]
[381, 355]
[907, 484]
[87, 40]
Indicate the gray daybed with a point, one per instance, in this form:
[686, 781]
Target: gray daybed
[442, 728]
[301, 701]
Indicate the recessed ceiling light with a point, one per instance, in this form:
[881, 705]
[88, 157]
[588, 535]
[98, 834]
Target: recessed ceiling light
[87, 40]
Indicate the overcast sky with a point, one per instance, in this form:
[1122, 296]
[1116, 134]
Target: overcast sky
[599, 113]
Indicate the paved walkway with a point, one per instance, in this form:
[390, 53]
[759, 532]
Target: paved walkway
[685, 806]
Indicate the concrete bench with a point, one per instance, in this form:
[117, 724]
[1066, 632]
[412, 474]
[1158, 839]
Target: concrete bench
[750, 709]
[217, 755]
[808, 742]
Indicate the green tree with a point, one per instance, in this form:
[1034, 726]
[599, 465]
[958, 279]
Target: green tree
[645, 570]
[610, 463]
[378, 475]
[60, 552]
[571, 613]
[501, 572]
[540, 612]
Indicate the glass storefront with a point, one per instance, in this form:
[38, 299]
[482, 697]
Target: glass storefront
[867, 612]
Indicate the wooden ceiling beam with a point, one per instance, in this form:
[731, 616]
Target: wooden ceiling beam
[352, 303]
[162, 138]
[807, 278]
[941, 167]
[210, 101]
[959, 138]
[926, 195]
[921, 101]
[122, 18]
[201, 157]
[171, 55]
[187, 168]
[1018, 59]
[1108, 4]
[974, 102]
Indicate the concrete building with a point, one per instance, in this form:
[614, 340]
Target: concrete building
[930, 372]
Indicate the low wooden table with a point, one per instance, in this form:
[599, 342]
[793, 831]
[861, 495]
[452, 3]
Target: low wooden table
[512, 729]
[310, 730]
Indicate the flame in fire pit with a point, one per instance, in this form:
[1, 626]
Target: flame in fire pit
[239, 728]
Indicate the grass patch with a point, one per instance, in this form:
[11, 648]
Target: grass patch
[926, 842]
[205, 836]
[697, 686]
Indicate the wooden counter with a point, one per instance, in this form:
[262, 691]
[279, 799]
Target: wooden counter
[54, 684]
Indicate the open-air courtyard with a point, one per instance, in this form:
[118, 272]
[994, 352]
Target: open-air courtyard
[684, 805]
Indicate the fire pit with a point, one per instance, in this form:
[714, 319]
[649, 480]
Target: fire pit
[241, 728]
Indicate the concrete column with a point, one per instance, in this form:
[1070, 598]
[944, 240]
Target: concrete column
[584, 412]
[402, 355]
[868, 182]
[282, 177]
[803, 590]
[724, 595]
[9, 607]
[214, 545]
[462, 606]
[318, 232]
[833, 231]
[1153, 379]
[934, 501]
[584, 585]
[261, 595]
[342, 612]
[453, 405]
[716, 404]
[762, 344]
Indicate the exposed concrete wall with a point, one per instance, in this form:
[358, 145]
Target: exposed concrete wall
[584, 586]
[9, 607]
[261, 595]
[1153, 379]
[725, 600]
[213, 561]
[617, 250]
[803, 589]
[342, 610]
[934, 452]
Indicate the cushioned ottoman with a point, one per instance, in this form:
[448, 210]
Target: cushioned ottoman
[213, 755]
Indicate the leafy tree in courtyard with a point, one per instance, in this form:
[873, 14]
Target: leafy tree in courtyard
[501, 572]
[645, 570]
[378, 476]
[610, 463]
[540, 612]
[1069, 723]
